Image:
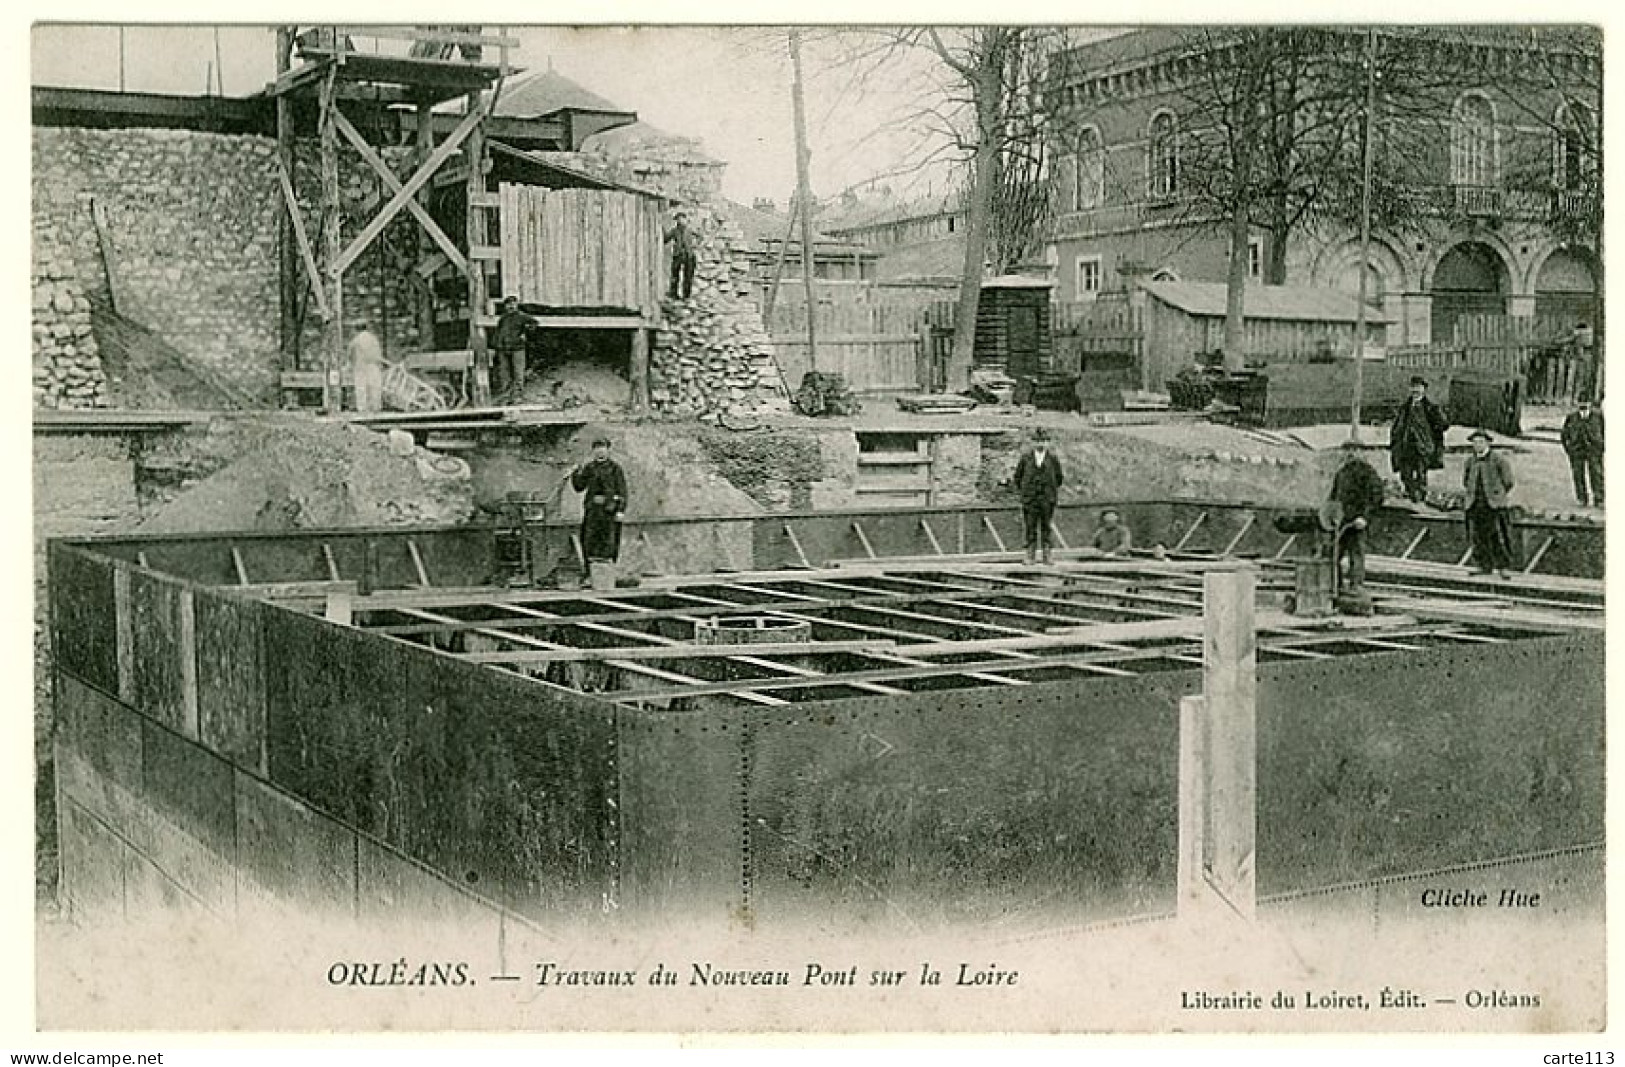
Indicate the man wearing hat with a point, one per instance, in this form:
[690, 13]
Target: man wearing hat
[1488, 480]
[602, 484]
[1038, 481]
[683, 257]
[1582, 441]
[1416, 440]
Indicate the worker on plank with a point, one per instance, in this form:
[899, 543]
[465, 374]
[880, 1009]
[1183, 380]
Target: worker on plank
[1356, 495]
[1416, 440]
[512, 341]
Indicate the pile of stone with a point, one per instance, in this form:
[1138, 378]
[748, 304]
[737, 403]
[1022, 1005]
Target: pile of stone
[67, 366]
[712, 355]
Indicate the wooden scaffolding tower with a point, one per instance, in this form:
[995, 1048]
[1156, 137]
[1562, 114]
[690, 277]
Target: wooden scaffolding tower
[321, 71]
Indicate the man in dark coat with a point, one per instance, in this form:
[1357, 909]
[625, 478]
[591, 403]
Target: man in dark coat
[510, 341]
[602, 484]
[1038, 481]
[1416, 440]
[1582, 440]
[1357, 494]
[684, 258]
[1488, 480]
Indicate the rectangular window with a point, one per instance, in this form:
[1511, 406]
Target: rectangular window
[1255, 257]
[1088, 268]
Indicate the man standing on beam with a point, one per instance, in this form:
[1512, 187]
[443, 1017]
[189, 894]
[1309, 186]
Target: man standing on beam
[1038, 482]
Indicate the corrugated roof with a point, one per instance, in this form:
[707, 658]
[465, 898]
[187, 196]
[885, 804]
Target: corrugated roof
[1297, 303]
[543, 92]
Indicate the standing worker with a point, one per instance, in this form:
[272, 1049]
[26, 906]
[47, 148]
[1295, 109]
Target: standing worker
[1582, 441]
[511, 341]
[683, 257]
[602, 484]
[1488, 480]
[1416, 440]
[367, 367]
[1356, 495]
[1038, 482]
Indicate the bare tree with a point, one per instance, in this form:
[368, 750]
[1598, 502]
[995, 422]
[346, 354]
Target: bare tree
[979, 100]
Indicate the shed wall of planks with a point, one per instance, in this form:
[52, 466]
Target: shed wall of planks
[581, 248]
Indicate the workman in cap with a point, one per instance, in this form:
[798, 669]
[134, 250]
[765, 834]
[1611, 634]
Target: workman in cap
[1488, 481]
[602, 484]
[1356, 495]
[511, 340]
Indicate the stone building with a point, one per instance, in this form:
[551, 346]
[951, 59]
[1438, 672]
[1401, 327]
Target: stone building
[1501, 175]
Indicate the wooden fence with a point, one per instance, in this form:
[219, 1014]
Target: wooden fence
[878, 347]
[1537, 350]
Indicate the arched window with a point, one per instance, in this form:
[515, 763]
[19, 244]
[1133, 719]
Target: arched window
[1573, 145]
[1163, 171]
[1472, 142]
[1090, 185]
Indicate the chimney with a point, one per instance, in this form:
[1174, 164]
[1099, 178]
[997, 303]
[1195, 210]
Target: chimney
[764, 203]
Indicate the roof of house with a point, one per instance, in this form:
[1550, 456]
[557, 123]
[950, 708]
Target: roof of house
[641, 136]
[887, 212]
[560, 170]
[763, 228]
[543, 92]
[1293, 303]
[939, 260]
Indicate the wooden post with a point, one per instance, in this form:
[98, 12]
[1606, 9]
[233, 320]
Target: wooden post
[426, 322]
[474, 152]
[287, 254]
[332, 219]
[639, 371]
[804, 198]
[1230, 692]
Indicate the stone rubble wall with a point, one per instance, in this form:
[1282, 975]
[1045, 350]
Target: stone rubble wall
[192, 219]
[67, 367]
[713, 355]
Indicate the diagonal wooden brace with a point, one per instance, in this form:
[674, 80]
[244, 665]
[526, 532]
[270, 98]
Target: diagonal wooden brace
[303, 239]
[377, 163]
[404, 195]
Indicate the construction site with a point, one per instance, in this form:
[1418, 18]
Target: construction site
[350, 670]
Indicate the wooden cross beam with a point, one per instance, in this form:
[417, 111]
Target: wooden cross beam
[405, 194]
[376, 162]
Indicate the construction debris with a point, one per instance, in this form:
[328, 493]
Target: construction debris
[936, 404]
[288, 472]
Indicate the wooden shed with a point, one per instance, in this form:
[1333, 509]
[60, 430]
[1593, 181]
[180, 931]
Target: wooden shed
[1012, 325]
[1285, 324]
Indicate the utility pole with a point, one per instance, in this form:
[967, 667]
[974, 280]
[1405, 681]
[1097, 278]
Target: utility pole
[804, 199]
[1365, 230]
[121, 59]
[219, 68]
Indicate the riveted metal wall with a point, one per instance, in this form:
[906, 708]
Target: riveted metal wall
[683, 784]
[1376, 764]
[84, 618]
[1059, 801]
[499, 782]
[988, 805]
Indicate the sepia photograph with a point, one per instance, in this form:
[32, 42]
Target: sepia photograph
[818, 529]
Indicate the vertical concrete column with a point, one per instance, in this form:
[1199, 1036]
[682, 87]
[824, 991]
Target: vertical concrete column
[1193, 765]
